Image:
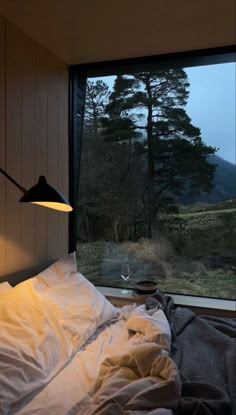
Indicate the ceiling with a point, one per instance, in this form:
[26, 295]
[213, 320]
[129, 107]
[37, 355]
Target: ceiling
[84, 31]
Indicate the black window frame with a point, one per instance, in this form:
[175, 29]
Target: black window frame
[78, 75]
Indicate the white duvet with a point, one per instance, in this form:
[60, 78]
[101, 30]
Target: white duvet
[74, 381]
[124, 368]
[44, 322]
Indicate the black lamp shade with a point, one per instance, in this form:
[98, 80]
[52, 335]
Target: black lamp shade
[46, 195]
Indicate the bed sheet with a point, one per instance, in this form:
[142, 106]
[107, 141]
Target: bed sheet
[74, 381]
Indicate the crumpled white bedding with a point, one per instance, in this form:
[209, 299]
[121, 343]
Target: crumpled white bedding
[44, 322]
[124, 368]
[73, 382]
[139, 379]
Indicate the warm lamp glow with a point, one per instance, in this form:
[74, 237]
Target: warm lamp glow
[42, 194]
[46, 195]
[53, 205]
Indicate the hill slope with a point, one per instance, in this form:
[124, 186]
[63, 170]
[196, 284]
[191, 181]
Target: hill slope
[224, 184]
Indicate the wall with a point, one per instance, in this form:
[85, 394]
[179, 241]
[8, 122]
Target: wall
[33, 142]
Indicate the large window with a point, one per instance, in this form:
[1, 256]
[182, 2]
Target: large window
[157, 189]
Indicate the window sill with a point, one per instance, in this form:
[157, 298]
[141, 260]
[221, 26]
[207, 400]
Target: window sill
[200, 305]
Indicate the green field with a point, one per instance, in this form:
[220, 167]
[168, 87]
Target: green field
[194, 255]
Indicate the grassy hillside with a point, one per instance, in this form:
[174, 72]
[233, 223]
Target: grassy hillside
[224, 184]
[204, 231]
[227, 205]
[152, 260]
[195, 254]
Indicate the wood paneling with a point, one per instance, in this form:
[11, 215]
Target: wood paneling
[41, 166]
[2, 147]
[33, 142]
[53, 152]
[28, 176]
[13, 147]
[63, 237]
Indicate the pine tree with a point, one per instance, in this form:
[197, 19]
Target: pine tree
[148, 110]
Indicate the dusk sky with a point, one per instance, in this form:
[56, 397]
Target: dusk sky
[211, 105]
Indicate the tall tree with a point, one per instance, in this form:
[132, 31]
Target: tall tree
[92, 171]
[106, 185]
[97, 95]
[148, 109]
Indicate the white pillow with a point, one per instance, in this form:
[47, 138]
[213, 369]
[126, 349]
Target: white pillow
[44, 321]
[79, 306]
[5, 287]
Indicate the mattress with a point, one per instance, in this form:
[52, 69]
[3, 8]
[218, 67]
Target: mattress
[73, 382]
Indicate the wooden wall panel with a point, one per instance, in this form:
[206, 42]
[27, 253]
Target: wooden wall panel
[2, 147]
[13, 147]
[63, 238]
[53, 152]
[41, 225]
[33, 142]
[28, 176]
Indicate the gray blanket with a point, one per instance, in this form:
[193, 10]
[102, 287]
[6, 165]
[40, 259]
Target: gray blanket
[203, 349]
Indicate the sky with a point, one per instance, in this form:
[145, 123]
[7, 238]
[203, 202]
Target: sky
[212, 105]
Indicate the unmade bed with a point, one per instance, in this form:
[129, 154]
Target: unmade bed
[64, 349]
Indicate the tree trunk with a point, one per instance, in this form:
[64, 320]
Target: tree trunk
[150, 162]
[83, 221]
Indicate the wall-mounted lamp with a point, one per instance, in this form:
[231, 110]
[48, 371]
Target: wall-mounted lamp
[42, 194]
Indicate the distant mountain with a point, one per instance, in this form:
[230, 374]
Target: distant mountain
[224, 184]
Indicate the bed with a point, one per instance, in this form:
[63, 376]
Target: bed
[66, 350]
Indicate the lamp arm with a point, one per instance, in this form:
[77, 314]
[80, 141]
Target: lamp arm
[22, 189]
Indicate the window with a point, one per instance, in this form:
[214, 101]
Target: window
[157, 187]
